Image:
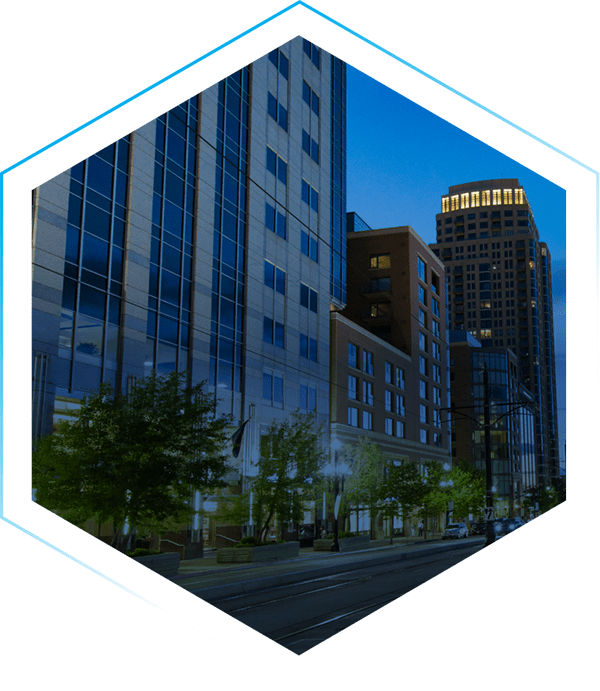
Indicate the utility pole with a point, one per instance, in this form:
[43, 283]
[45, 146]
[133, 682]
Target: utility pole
[489, 493]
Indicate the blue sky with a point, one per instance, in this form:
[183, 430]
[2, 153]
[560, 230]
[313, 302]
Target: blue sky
[402, 159]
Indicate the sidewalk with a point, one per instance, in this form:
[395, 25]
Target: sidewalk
[210, 580]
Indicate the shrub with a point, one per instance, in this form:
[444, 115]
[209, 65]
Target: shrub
[142, 552]
[346, 534]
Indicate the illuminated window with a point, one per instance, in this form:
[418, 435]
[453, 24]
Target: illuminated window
[496, 196]
[474, 199]
[486, 333]
[445, 204]
[454, 200]
[464, 200]
[380, 261]
[518, 196]
[485, 198]
[508, 196]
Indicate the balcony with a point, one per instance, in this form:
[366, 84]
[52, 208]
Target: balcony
[377, 290]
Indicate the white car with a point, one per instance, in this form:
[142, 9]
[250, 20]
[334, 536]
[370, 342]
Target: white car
[455, 530]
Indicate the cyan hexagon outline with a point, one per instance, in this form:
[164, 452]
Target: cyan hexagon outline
[149, 88]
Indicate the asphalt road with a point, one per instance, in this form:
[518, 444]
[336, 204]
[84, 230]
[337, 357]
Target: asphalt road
[302, 615]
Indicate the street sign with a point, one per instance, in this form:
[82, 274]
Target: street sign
[488, 513]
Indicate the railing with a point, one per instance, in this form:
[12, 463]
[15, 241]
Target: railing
[177, 544]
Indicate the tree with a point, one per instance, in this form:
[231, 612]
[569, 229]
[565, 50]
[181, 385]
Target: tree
[467, 490]
[402, 490]
[291, 461]
[363, 486]
[433, 499]
[133, 458]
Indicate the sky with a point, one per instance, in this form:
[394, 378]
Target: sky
[402, 158]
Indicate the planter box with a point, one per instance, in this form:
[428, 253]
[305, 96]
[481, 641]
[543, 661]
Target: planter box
[165, 564]
[247, 555]
[347, 544]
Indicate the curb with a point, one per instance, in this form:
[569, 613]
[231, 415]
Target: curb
[212, 593]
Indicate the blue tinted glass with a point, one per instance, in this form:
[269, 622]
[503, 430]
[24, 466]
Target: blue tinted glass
[177, 120]
[123, 155]
[116, 270]
[267, 330]
[281, 225]
[77, 172]
[303, 295]
[91, 301]
[271, 161]
[227, 287]
[305, 141]
[229, 225]
[267, 381]
[173, 219]
[100, 176]
[280, 281]
[283, 117]
[169, 287]
[312, 350]
[304, 243]
[75, 205]
[230, 189]
[305, 192]
[167, 329]
[303, 345]
[114, 309]
[69, 293]
[273, 56]
[313, 301]
[282, 170]
[269, 275]
[95, 254]
[283, 65]
[270, 217]
[314, 200]
[272, 106]
[98, 200]
[279, 335]
[97, 221]
[228, 252]
[316, 57]
[174, 189]
[118, 232]
[72, 248]
[314, 151]
[314, 103]
[171, 259]
[108, 154]
[306, 93]
[121, 188]
[306, 46]
[176, 148]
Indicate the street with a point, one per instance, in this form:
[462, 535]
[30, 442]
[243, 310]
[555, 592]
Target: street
[303, 614]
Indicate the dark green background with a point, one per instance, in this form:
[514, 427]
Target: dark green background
[515, 616]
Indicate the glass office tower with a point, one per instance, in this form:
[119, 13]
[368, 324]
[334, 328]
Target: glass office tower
[209, 241]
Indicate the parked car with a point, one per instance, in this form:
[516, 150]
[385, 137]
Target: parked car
[504, 526]
[479, 528]
[455, 530]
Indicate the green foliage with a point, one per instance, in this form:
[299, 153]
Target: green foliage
[250, 540]
[402, 490]
[142, 552]
[467, 490]
[346, 533]
[290, 464]
[133, 457]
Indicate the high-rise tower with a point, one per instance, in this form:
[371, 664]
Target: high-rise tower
[211, 241]
[500, 290]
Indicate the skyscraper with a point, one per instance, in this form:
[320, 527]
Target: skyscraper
[500, 290]
[209, 241]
